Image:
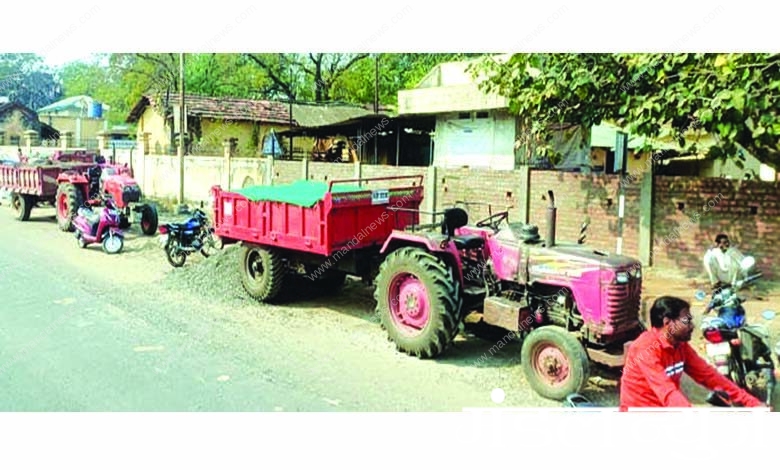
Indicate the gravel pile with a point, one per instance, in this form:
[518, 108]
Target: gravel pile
[216, 277]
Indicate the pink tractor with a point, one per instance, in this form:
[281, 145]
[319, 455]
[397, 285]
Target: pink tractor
[569, 304]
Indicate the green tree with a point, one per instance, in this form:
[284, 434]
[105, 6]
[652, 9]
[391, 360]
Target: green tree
[733, 97]
[304, 77]
[396, 72]
[94, 79]
[25, 79]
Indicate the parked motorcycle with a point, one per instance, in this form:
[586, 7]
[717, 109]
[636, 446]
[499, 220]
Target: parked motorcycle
[99, 225]
[577, 400]
[740, 351]
[181, 240]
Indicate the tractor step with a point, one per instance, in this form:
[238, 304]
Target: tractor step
[474, 291]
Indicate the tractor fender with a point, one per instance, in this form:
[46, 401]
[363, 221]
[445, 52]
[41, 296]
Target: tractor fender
[72, 178]
[446, 250]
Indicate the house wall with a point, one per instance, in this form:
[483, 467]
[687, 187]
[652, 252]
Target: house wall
[447, 99]
[153, 123]
[598, 157]
[213, 133]
[90, 127]
[11, 131]
[475, 142]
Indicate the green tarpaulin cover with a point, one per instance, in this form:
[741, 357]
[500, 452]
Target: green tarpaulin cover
[300, 193]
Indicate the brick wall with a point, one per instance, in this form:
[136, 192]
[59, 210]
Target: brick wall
[578, 196]
[747, 211]
[497, 188]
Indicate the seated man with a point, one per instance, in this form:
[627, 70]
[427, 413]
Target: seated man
[721, 262]
[656, 360]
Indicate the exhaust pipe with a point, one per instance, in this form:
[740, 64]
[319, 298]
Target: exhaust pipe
[552, 213]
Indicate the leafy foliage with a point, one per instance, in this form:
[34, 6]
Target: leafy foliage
[24, 78]
[304, 77]
[396, 72]
[732, 97]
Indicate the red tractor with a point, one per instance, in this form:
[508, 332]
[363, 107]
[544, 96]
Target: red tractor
[69, 181]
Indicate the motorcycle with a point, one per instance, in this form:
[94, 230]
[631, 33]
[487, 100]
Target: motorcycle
[577, 400]
[99, 226]
[181, 240]
[738, 350]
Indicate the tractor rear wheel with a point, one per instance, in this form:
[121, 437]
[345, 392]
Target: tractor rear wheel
[22, 205]
[554, 362]
[262, 273]
[68, 201]
[418, 302]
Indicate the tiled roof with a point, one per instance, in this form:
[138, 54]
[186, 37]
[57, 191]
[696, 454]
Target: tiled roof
[234, 109]
[276, 112]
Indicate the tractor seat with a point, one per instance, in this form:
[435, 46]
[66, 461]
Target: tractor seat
[455, 218]
[468, 242]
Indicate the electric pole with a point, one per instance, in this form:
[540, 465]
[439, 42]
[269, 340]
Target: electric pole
[182, 120]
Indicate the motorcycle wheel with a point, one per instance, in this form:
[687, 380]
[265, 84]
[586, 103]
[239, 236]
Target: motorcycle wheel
[176, 257]
[736, 370]
[80, 240]
[211, 245]
[113, 244]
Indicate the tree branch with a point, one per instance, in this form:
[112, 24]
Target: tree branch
[275, 78]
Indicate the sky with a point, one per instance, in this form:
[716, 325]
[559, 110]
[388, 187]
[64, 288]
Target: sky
[57, 59]
[70, 31]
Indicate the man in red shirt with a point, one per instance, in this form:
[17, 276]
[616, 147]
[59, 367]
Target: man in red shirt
[657, 359]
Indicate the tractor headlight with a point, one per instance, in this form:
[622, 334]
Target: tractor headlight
[621, 278]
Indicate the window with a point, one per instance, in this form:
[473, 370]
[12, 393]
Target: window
[464, 115]
[483, 115]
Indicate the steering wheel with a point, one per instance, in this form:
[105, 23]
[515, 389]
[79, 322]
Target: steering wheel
[494, 220]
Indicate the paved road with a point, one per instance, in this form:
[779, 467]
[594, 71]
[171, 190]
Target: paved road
[81, 330]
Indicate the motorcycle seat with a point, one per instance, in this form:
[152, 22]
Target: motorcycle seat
[92, 217]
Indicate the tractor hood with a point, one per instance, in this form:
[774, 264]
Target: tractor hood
[582, 255]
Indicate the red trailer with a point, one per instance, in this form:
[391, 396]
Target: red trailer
[342, 218]
[338, 231]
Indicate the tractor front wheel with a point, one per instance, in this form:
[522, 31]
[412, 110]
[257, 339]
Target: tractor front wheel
[418, 302]
[68, 200]
[554, 362]
[149, 220]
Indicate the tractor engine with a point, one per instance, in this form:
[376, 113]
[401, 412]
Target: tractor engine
[121, 187]
[555, 306]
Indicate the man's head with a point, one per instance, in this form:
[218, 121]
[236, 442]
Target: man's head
[673, 316]
[722, 241]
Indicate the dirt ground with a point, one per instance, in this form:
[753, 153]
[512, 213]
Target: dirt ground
[350, 315]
